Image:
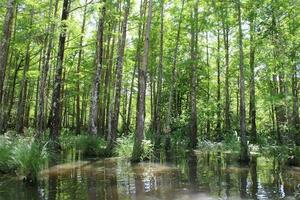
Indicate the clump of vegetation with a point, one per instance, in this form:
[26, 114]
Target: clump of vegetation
[148, 150]
[23, 156]
[230, 143]
[87, 144]
[6, 162]
[29, 156]
[124, 148]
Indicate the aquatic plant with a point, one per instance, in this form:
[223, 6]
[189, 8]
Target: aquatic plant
[29, 157]
[148, 150]
[6, 161]
[23, 156]
[87, 144]
[124, 148]
[230, 143]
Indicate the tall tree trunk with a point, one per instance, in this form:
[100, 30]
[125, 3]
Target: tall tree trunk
[218, 128]
[295, 118]
[4, 46]
[23, 93]
[78, 121]
[44, 73]
[227, 123]
[208, 123]
[95, 88]
[193, 89]
[244, 154]
[167, 128]
[12, 95]
[56, 99]
[107, 88]
[137, 61]
[107, 74]
[119, 74]
[160, 74]
[252, 107]
[140, 115]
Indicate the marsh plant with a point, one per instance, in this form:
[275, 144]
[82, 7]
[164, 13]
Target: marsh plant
[88, 144]
[23, 156]
[124, 148]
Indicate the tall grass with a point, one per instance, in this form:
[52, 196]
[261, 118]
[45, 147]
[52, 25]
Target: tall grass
[124, 148]
[29, 157]
[6, 161]
[23, 156]
[87, 144]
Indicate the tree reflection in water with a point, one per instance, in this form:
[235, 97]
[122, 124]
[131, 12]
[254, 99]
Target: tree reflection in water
[191, 175]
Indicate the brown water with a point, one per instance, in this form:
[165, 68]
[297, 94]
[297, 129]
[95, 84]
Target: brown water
[184, 176]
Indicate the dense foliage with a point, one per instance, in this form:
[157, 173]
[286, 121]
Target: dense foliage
[202, 70]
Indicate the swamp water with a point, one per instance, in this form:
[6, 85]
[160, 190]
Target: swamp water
[190, 176]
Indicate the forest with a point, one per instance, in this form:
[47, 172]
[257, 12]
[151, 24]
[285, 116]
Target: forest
[178, 99]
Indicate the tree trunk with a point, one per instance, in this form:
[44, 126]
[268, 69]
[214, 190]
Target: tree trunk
[244, 154]
[252, 107]
[295, 118]
[140, 115]
[44, 74]
[137, 62]
[56, 99]
[208, 123]
[78, 121]
[23, 92]
[167, 128]
[193, 89]
[119, 74]
[218, 128]
[95, 88]
[160, 74]
[4, 46]
[12, 95]
[227, 116]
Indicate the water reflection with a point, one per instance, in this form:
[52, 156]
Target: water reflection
[191, 175]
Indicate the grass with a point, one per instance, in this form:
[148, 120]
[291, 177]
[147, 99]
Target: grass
[6, 160]
[29, 157]
[124, 148]
[89, 145]
[230, 143]
[22, 156]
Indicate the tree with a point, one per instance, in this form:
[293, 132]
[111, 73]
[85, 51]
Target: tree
[194, 52]
[56, 100]
[95, 88]
[4, 46]
[252, 106]
[160, 76]
[119, 71]
[244, 154]
[78, 120]
[140, 115]
[44, 72]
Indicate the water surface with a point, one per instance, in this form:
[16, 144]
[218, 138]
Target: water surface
[186, 176]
